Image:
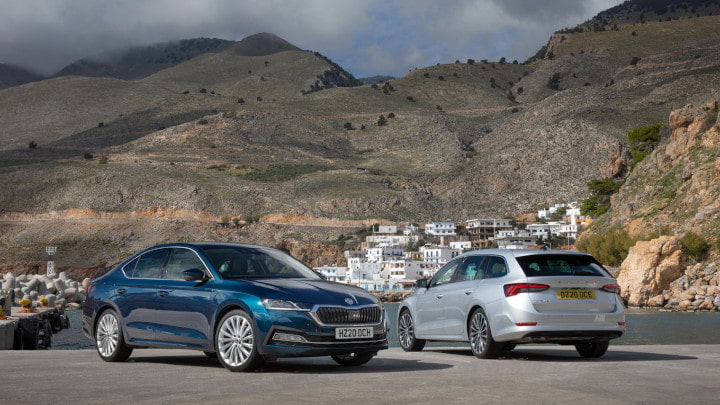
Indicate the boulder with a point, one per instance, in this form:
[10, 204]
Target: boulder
[649, 269]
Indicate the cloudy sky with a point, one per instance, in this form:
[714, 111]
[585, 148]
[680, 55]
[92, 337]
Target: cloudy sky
[366, 37]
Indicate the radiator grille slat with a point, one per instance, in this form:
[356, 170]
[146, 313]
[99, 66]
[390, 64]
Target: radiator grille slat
[339, 315]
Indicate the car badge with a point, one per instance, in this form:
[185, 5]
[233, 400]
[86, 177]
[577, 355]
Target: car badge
[349, 301]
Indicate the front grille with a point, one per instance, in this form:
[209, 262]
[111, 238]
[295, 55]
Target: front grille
[340, 315]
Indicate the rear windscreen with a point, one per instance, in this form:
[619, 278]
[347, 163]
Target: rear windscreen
[560, 265]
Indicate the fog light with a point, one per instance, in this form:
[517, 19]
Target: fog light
[289, 337]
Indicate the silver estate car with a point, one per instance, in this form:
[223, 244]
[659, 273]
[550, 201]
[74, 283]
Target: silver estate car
[498, 298]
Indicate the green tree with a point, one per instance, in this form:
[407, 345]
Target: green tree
[599, 201]
[643, 141]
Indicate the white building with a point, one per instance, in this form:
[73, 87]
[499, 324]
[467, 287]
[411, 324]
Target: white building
[385, 229]
[438, 255]
[543, 231]
[487, 228]
[440, 229]
[461, 245]
[334, 273]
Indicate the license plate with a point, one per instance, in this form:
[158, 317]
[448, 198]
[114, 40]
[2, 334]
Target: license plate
[576, 294]
[354, 333]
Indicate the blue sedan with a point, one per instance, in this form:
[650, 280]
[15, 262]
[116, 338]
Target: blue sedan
[243, 304]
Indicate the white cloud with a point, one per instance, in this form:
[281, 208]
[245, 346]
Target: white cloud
[366, 37]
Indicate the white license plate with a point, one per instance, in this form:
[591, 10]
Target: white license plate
[354, 333]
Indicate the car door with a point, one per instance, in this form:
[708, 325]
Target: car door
[459, 295]
[183, 307]
[136, 296]
[431, 316]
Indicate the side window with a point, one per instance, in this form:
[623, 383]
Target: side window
[471, 269]
[445, 274]
[150, 264]
[181, 260]
[495, 267]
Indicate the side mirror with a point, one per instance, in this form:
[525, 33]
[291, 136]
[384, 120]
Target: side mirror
[194, 275]
[422, 283]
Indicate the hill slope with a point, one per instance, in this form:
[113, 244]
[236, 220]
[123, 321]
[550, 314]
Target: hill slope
[227, 135]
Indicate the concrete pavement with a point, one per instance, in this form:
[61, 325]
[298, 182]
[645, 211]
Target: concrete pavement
[540, 374]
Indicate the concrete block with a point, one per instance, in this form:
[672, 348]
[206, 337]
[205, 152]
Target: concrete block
[7, 334]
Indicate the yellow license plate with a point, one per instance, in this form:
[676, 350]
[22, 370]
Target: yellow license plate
[576, 294]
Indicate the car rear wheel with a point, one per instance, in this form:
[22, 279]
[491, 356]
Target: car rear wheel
[109, 339]
[592, 349]
[353, 359]
[482, 344]
[235, 342]
[406, 333]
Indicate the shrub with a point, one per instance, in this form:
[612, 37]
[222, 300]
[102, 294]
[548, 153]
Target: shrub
[202, 121]
[694, 246]
[391, 115]
[88, 156]
[609, 249]
[410, 99]
[381, 121]
[634, 61]
[554, 81]
[32, 145]
[348, 126]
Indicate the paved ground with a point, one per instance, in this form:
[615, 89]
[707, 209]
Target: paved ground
[664, 374]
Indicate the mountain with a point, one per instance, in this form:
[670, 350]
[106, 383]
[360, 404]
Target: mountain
[14, 76]
[289, 138]
[141, 61]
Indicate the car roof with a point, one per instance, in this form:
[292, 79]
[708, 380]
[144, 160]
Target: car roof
[522, 252]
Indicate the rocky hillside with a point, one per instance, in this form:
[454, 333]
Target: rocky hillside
[672, 192]
[259, 136]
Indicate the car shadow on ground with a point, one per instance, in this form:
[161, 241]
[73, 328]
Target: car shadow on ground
[298, 365]
[568, 354]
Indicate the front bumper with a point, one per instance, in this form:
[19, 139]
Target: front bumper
[301, 334]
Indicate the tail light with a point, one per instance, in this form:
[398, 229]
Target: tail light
[517, 288]
[611, 288]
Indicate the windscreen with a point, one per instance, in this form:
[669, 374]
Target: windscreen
[560, 265]
[256, 263]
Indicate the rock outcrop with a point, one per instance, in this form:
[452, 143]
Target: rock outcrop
[649, 269]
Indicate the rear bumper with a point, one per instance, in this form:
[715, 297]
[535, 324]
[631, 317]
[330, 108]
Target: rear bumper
[570, 336]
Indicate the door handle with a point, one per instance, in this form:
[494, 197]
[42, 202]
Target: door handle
[468, 292]
[121, 291]
[163, 293]
[439, 296]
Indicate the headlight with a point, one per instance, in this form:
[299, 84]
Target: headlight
[285, 305]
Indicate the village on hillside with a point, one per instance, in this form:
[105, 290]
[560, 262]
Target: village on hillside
[390, 259]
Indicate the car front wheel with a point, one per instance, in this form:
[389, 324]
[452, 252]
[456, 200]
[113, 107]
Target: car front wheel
[352, 359]
[406, 333]
[592, 349]
[235, 342]
[482, 344]
[109, 338]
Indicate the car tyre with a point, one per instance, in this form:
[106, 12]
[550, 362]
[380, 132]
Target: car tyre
[109, 340]
[482, 344]
[406, 333]
[353, 359]
[236, 342]
[592, 350]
